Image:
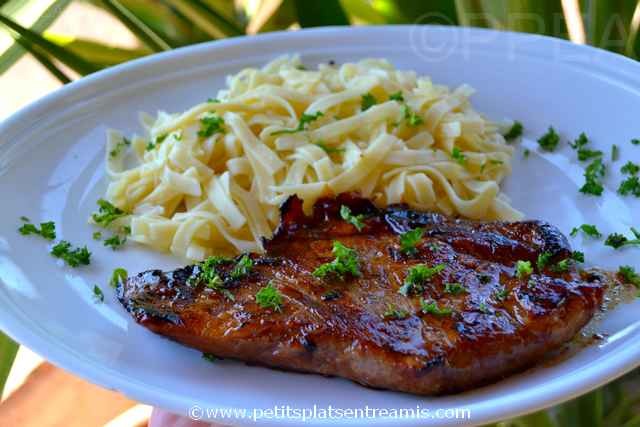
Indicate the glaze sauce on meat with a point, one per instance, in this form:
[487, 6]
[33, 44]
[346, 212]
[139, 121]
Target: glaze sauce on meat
[473, 322]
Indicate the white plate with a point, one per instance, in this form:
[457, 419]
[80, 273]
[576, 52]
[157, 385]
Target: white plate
[51, 169]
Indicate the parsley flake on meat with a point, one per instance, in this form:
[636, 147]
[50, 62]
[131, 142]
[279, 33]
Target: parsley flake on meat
[409, 241]
[269, 298]
[433, 308]
[417, 277]
[355, 220]
[345, 263]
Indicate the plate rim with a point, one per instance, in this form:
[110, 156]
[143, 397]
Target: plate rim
[15, 324]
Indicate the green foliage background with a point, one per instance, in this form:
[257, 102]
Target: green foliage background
[162, 25]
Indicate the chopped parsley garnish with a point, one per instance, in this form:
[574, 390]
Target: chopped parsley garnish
[526, 153]
[208, 274]
[269, 297]
[491, 162]
[454, 288]
[210, 357]
[396, 96]
[593, 175]
[305, 120]
[617, 240]
[630, 186]
[629, 275]
[216, 283]
[412, 118]
[562, 266]
[368, 101]
[98, 296]
[392, 312]
[208, 268]
[213, 100]
[117, 150]
[417, 276]
[153, 144]
[118, 276]
[615, 153]
[543, 260]
[210, 124]
[585, 154]
[580, 142]
[457, 155]
[242, 268]
[345, 263]
[635, 141]
[502, 294]
[588, 229]
[483, 308]
[107, 213]
[115, 242]
[577, 256]
[355, 220]
[74, 257]
[514, 132]
[47, 229]
[484, 279]
[328, 149]
[550, 140]
[432, 308]
[630, 168]
[97, 235]
[523, 268]
[409, 241]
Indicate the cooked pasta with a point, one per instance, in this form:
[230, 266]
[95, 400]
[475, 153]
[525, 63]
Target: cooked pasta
[211, 179]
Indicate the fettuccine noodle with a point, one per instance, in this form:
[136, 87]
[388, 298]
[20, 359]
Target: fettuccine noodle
[211, 179]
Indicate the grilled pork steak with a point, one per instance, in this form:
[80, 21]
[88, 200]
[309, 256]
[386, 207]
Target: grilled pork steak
[469, 314]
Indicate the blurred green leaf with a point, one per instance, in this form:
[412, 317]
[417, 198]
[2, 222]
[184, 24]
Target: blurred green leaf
[44, 60]
[441, 12]
[363, 11]
[36, 14]
[229, 10]
[320, 13]
[8, 351]
[634, 422]
[608, 23]
[471, 14]
[70, 59]
[272, 15]
[537, 419]
[530, 16]
[164, 20]
[94, 52]
[206, 18]
[146, 35]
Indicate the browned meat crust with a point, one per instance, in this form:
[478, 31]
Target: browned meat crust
[500, 325]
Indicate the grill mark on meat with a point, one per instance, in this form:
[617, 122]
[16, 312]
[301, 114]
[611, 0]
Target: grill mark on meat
[338, 328]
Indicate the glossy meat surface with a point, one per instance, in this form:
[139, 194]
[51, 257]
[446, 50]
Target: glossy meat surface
[494, 324]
